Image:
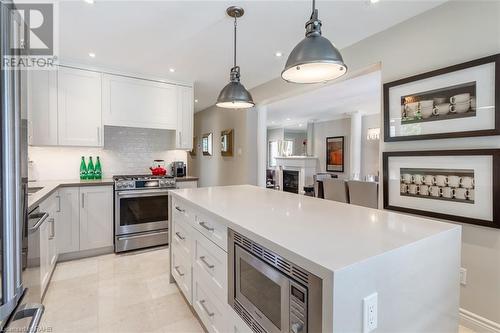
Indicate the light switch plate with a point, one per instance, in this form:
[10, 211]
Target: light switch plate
[463, 276]
[370, 313]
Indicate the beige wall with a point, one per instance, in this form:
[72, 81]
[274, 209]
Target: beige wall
[427, 42]
[218, 170]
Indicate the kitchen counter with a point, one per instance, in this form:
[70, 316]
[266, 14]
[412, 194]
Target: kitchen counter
[412, 263]
[186, 179]
[48, 187]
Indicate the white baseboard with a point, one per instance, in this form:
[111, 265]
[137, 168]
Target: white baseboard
[477, 323]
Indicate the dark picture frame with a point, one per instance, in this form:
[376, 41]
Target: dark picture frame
[494, 153]
[435, 73]
[335, 146]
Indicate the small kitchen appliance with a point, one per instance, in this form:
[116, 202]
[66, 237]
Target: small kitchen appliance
[141, 211]
[158, 168]
[178, 169]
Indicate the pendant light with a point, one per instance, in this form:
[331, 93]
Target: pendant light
[234, 95]
[314, 59]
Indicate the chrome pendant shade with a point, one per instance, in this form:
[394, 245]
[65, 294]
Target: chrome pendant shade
[315, 59]
[234, 95]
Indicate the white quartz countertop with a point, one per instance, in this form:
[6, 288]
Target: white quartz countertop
[330, 234]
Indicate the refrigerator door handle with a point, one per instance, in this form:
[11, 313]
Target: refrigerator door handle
[33, 311]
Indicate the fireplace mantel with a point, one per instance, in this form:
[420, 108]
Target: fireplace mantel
[305, 165]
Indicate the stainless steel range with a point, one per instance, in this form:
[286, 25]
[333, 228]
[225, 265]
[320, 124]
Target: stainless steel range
[141, 211]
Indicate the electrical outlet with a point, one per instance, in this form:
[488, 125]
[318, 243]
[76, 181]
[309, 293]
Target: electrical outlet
[370, 313]
[463, 276]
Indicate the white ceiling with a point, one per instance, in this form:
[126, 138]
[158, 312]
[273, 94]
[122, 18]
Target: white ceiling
[330, 102]
[195, 37]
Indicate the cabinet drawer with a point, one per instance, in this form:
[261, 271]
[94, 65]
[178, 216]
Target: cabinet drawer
[182, 212]
[213, 230]
[182, 237]
[210, 264]
[181, 271]
[210, 310]
[235, 323]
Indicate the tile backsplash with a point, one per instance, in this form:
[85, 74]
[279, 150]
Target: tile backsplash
[126, 151]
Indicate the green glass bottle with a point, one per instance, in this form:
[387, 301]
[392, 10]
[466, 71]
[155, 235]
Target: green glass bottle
[83, 169]
[98, 169]
[90, 169]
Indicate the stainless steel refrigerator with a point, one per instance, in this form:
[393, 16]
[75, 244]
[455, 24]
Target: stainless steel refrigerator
[17, 313]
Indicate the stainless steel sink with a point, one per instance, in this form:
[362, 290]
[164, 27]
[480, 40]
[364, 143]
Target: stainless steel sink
[33, 190]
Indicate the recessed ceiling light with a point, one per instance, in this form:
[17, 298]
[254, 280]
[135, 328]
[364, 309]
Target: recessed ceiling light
[171, 70]
[272, 122]
[92, 54]
[89, 1]
[196, 101]
[278, 54]
[300, 125]
[374, 1]
[288, 119]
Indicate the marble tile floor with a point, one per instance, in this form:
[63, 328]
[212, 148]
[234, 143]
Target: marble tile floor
[116, 293]
[119, 293]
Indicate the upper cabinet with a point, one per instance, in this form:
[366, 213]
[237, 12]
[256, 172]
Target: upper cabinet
[184, 138]
[42, 107]
[139, 103]
[79, 107]
[70, 106]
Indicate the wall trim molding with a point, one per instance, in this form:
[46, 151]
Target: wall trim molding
[477, 323]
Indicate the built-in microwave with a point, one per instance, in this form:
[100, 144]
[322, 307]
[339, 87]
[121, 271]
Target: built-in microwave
[270, 293]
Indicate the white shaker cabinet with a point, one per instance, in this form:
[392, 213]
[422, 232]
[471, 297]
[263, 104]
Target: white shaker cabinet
[184, 134]
[96, 217]
[42, 107]
[68, 229]
[79, 107]
[138, 103]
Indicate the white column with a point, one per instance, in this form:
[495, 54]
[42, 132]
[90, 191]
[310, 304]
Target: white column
[355, 144]
[261, 145]
[310, 138]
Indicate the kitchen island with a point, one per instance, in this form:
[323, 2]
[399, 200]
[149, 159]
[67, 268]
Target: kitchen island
[408, 265]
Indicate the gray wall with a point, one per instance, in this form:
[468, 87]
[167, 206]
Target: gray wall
[218, 170]
[342, 127]
[424, 43]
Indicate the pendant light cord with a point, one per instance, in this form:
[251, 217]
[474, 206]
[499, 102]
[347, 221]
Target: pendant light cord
[235, 24]
[314, 7]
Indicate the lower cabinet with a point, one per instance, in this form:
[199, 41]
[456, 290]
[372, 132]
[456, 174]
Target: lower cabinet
[199, 266]
[48, 246]
[96, 217]
[68, 232]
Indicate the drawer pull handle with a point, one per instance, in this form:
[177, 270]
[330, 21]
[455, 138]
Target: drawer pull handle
[178, 271]
[179, 209]
[180, 236]
[203, 260]
[204, 225]
[202, 303]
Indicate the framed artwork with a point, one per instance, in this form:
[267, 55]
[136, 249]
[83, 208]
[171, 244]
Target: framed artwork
[207, 144]
[452, 102]
[226, 142]
[192, 152]
[335, 154]
[457, 185]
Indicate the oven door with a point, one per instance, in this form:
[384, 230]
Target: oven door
[140, 210]
[263, 291]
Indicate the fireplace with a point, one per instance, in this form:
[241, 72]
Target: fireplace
[291, 181]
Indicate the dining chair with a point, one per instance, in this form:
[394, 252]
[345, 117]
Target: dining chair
[336, 190]
[363, 193]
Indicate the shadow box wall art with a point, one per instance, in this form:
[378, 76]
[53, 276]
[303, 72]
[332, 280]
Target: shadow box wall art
[226, 142]
[457, 101]
[335, 154]
[207, 144]
[457, 185]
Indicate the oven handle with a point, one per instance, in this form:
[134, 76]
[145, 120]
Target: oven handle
[143, 193]
[143, 235]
